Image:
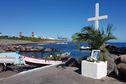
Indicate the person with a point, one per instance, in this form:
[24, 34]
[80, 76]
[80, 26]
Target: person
[96, 54]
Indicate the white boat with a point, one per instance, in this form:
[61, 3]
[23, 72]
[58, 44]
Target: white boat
[62, 43]
[66, 54]
[32, 60]
[46, 60]
[84, 48]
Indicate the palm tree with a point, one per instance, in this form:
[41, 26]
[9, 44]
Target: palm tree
[95, 38]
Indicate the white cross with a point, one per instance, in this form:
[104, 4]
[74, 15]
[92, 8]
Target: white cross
[97, 17]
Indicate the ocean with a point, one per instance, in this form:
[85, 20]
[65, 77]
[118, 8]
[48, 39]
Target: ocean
[71, 47]
[118, 44]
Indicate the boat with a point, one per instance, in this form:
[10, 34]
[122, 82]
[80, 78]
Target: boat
[39, 61]
[66, 54]
[85, 48]
[62, 43]
[47, 60]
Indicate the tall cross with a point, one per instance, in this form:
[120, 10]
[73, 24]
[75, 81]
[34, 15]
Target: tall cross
[97, 17]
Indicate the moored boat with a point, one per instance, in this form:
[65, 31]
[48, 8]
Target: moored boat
[62, 43]
[39, 61]
[85, 48]
[47, 60]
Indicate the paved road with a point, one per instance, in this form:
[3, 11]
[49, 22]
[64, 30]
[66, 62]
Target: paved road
[54, 75]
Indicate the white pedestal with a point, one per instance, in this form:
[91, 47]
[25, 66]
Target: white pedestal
[95, 70]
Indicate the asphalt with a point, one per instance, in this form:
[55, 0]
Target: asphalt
[55, 75]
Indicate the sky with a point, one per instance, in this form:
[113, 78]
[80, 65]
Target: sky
[54, 18]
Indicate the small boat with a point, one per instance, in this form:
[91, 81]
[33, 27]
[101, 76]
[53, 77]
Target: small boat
[62, 43]
[54, 58]
[85, 48]
[66, 54]
[39, 61]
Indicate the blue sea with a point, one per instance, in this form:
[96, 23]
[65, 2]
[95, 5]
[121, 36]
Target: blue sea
[72, 48]
[69, 47]
[118, 44]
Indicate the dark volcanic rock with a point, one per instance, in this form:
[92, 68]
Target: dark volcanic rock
[121, 59]
[24, 48]
[72, 62]
[116, 50]
[111, 66]
[122, 70]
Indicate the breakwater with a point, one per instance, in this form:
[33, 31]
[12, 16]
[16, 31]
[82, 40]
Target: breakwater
[25, 48]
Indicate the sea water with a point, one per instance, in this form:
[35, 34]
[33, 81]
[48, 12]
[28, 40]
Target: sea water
[118, 44]
[71, 47]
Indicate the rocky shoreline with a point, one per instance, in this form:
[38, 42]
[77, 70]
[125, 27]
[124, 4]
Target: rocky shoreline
[116, 50]
[25, 48]
[17, 45]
